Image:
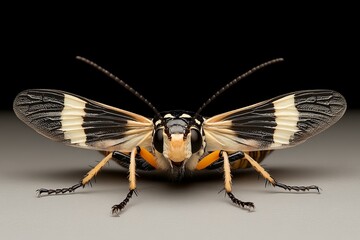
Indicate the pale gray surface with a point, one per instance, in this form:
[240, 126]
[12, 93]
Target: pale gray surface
[190, 210]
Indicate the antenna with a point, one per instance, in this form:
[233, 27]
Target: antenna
[121, 82]
[227, 86]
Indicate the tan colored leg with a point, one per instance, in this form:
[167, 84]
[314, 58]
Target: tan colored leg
[267, 176]
[132, 170]
[132, 183]
[92, 173]
[227, 183]
[227, 172]
[259, 168]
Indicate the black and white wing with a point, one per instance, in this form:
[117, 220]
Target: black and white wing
[81, 122]
[280, 122]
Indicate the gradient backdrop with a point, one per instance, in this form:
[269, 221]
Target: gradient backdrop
[177, 57]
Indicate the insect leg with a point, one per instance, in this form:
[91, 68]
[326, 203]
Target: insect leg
[220, 162]
[82, 183]
[227, 179]
[208, 160]
[132, 183]
[267, 176]
[124, 160]
[147, 156]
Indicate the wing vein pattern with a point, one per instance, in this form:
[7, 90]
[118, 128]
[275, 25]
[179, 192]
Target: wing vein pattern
[82, 122]
[277, 123]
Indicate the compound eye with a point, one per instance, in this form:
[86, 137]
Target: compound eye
[158, 140]
[196, 140]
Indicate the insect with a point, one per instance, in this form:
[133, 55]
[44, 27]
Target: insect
[179, 141]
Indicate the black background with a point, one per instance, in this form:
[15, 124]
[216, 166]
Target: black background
[178, 58]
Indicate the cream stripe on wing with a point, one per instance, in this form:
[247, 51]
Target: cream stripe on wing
[286, 117]
[72, 118]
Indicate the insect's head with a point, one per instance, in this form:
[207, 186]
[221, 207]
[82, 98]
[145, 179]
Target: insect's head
[177, 137]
